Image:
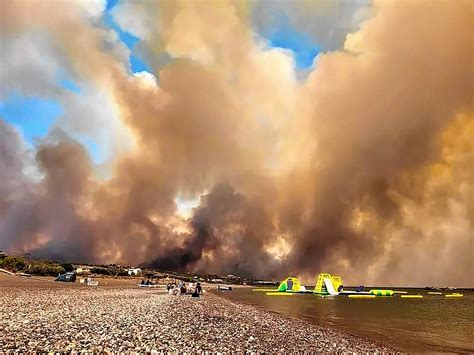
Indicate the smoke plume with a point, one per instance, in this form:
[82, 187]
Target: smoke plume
[364, 168]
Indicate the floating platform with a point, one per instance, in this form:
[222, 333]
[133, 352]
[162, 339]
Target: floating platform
[279, 294]
[453, 295]
[435, 293]
[411, 296]
[264, 290]
[361, 296]
[323, 296]
[346, 293]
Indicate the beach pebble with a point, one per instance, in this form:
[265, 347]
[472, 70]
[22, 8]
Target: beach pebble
[117, 319]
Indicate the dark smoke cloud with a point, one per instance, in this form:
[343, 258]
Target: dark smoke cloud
[234, 228]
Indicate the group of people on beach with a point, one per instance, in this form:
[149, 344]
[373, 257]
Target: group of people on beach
[147, 282]
[194, 290]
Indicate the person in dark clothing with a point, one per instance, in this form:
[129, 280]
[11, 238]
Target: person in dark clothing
[199, 289]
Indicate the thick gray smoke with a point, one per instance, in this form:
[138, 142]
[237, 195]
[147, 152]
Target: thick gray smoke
[364, 168]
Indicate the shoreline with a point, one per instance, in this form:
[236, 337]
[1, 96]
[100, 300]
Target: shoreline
[331, 331]
[44, 317]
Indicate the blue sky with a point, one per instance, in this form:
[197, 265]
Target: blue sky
[35, 116]
[303, 46]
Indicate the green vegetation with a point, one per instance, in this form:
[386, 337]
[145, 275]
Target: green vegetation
[109, 271]
[100, 271]
[14, 263]
[33, 267]
[68, 267]
[45, 268]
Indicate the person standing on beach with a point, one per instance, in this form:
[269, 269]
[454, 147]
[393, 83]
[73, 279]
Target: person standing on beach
[197, 291]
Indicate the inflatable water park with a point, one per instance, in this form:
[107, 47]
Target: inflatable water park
[328, 285]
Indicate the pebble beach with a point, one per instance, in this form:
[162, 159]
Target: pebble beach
[46, 316]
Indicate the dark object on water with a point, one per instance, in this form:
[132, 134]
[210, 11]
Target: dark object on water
[67, 277]
[360, 289]
[224, 288]
[339, 289]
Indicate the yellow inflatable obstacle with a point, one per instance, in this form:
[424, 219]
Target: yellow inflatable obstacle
[361, 296]
[326, 284]
[291, 284]
[381, 292]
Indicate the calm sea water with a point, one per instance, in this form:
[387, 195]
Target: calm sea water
[434, 323]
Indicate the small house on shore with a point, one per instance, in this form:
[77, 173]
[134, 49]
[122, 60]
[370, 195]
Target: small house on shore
[133, 271]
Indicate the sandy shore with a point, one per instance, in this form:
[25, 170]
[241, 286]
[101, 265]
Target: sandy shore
[48, 316]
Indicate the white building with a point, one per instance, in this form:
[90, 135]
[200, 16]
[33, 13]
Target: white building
[134, 271]
[82, 270]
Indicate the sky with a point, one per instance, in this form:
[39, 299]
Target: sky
[35, 115]
[257, 138]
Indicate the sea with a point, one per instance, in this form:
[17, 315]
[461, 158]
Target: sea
[433, 323]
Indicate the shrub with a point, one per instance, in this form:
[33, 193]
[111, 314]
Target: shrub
[45, 268]
[68, 267]
[14, 263]
[100, 271]
[121, 272]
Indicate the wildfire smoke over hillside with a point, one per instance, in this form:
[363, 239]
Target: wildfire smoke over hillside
[362, 165]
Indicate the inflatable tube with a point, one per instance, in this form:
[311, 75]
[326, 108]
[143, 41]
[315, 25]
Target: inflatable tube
[279, 294]
[454, 295]
[435, 293]
[411, 296]
[382, 292]
[362, 296]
